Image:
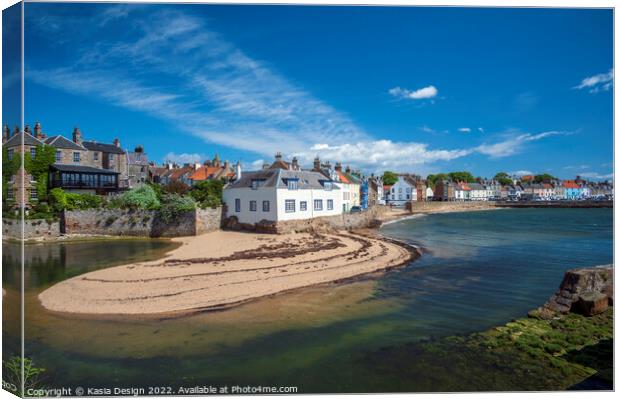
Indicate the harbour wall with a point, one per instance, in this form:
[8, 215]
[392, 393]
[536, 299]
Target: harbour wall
[140, 223]
[33, 228]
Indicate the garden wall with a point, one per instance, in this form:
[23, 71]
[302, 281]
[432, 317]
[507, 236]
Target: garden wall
[142, 223]
[35, 228]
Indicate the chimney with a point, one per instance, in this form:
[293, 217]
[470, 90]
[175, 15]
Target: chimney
[295, 164]
[77, 135]
[6, 133]
[348, 170]
[265, 166]
[317, 164]
[226, 165]
[278, 156]
[139, 149]
[338, 167]
[27, 129]
[37, 130]
[16, 130]
[117, 142]
[238, 171]
[197, 165]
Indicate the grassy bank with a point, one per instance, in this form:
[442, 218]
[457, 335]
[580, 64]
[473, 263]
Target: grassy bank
[525, 354]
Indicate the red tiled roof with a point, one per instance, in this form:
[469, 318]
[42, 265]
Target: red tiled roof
[570, 184]
[386, 187]
[205, 173]
[343, 178]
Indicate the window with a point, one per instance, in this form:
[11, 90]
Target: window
[265, 206]
[10, 194]
[33, 152]
[393, 190]
[95, 156]
[33, 193]
[58, 156]
[400, 189]
[253, 206]
[237, 205]
[292, 184]
[408, 197]
[330, 205]
[289, 206]
[76, 157]
[408, 189]
[111, 157]
[255, 184]
[327, 185]
[303, 206]
[318, 205]
[9, 154]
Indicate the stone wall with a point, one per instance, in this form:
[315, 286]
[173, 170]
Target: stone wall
[448, 206]
[348, 221]
[35, 228]
[143, 223]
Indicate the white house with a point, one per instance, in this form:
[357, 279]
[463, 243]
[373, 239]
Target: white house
[429, 193]
[277, 194]
[404, 190]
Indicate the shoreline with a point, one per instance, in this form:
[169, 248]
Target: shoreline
[181, 283]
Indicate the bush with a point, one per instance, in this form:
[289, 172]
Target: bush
[208, 193]
[58, 199]
[174, 205]
[83, 201]
[176, 187]
[143, 197]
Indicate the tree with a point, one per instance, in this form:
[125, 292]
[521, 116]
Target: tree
[431, 180]
[503, 178]
[174, 205]
[9, 169]
[543, 178]
[461, 177]
[208, 193]
[176, 187]
[389, 178]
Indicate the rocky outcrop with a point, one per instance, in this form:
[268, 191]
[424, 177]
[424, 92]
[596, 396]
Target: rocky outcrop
[587, 291]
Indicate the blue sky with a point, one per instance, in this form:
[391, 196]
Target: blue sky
[422, 90]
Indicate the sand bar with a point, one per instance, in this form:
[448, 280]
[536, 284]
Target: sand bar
[223, 269]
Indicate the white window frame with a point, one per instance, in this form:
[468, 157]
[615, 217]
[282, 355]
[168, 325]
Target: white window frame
[318, 202]
[253, 206]
[330, 204]
[79, 157]
[289, 206]
[303, 206]
[266, 208]
[237, 205]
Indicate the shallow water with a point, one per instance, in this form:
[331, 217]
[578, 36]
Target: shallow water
[481, 269]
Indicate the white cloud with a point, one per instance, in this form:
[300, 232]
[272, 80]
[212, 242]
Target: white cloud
[381, 154]
[481, 130]
[597, 176]
[596, 83]
[464, 130]
[581, 167]
[184, 157]
[258, 164]
[514, 144]
[420, 94]
[521, 173]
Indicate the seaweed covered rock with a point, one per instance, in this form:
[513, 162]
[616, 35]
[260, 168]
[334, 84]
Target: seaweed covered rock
[587, 291]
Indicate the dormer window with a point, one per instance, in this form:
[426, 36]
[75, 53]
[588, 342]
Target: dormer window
[327, 185]
[257, 183]
[292, 184]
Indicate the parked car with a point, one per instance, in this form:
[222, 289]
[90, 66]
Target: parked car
[356, 209]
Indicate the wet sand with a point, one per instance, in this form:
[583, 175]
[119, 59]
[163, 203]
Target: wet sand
[223, 269]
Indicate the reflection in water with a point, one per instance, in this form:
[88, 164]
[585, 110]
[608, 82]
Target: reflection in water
[500, 265]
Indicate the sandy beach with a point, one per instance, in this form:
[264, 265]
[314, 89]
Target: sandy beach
[222, 269]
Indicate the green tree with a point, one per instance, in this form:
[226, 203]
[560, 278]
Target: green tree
[389, 178]
[543, 178]
[503, 178]
[176, 187]
[431, 180]
[461, 177]
[208, 193]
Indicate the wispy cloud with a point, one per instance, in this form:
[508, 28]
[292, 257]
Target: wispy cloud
[226, 97]
[596, 176]
[515, 143]
[184, 157]
[597, 83]
[526, 101]
[464, 129]
[419, 94]
[481, 130]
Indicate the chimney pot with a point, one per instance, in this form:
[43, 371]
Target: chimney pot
[77, 135]
[117, 142]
